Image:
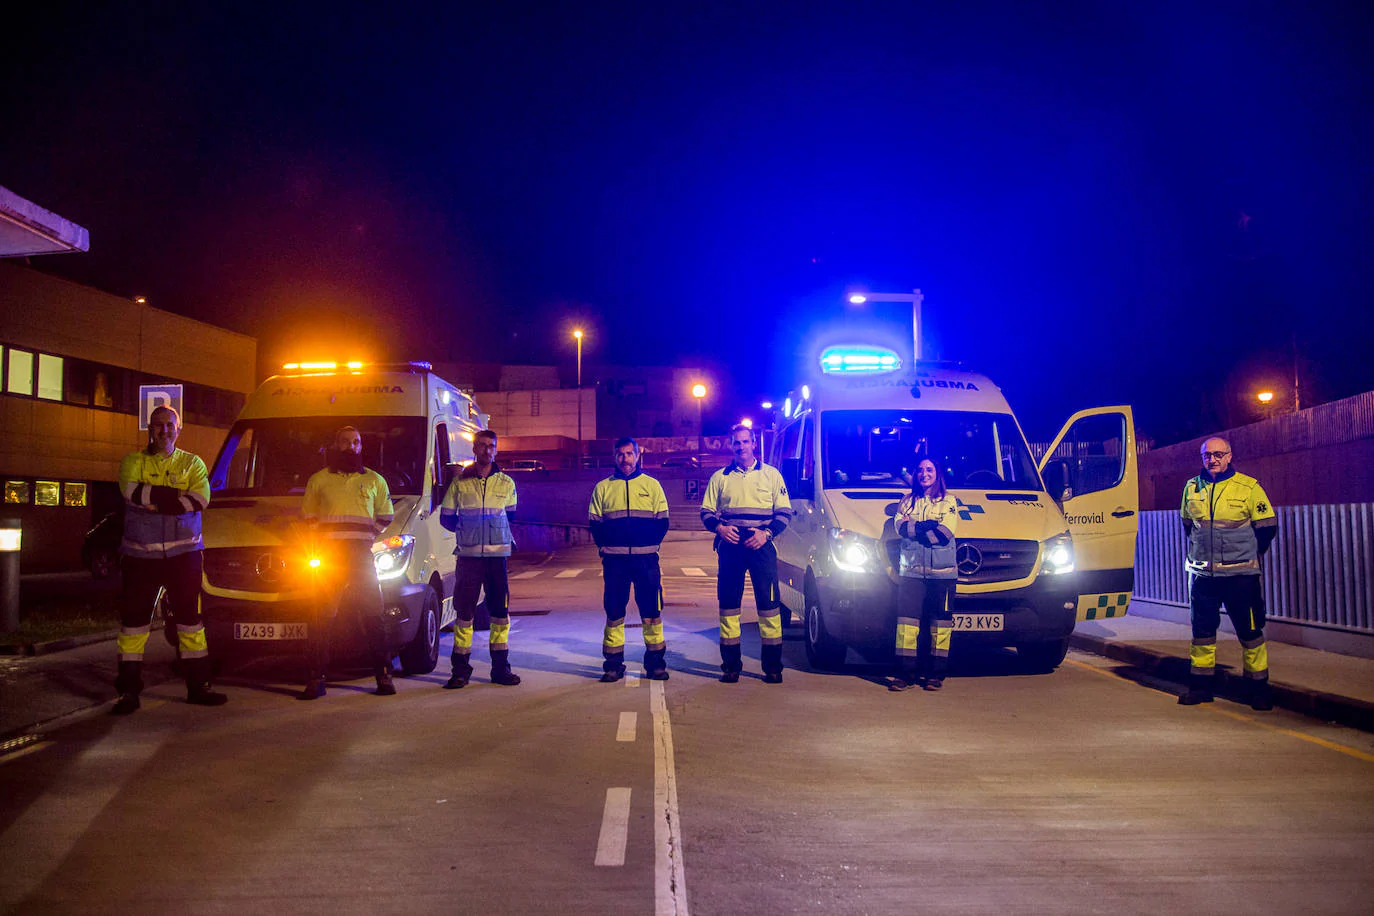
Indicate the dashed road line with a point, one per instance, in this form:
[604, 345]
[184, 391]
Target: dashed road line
[567, 573]
[695, 571]
[626, 730]
[528, 574]
[615, 828]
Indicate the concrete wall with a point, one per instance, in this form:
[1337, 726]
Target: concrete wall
[543, 412]
[561, 497]
[48, 313]
[1324, 454]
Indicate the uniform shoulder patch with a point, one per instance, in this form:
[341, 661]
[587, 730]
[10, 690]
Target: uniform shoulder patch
[1262, 506]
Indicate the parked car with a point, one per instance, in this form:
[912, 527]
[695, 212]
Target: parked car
[100, 549]
[687, 461]
[523, 464]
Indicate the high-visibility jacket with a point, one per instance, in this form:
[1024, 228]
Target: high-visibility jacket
[1229, 523]
[926, 528]
[348, 507]
[478, 510]
[753, 498]
[628, 515]
[164, 496]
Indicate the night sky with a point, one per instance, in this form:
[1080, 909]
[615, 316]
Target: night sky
[1144, 203]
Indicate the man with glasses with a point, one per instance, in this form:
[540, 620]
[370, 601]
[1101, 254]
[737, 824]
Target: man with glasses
[1229, 523]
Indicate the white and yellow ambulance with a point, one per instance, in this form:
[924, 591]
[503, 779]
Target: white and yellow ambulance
[261, 568]
[1039, 546]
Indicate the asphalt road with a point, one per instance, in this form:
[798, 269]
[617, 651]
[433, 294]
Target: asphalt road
[1079, 791]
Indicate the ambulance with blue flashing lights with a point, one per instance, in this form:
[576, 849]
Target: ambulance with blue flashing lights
[262, 574]
[1040, 546]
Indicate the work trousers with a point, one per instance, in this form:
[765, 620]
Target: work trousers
[143, 578]
[762, 567]
[924, 627]
[349, 589]
[475, 575]
[1243, 598]
[620, 573]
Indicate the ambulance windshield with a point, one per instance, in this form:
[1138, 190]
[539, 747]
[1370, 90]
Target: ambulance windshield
[275, 457]
[880, 448]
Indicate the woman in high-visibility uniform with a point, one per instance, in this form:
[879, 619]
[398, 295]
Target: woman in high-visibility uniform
[925, 521]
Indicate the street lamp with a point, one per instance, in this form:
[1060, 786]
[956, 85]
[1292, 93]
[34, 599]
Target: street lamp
[578, 335]
[1264, 397]
[914, 297]
[746, 423]
[699, 392]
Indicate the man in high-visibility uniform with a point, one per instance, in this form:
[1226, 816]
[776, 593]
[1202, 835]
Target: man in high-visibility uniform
[348, 505]
[746, 506]
[165, 491]
[477, 508]
[629, 517]
[1230, 524]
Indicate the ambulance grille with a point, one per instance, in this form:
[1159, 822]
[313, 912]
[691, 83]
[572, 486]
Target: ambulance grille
[250, 569]
[990, 559]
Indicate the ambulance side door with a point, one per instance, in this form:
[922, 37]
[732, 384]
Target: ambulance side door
[1090, 470]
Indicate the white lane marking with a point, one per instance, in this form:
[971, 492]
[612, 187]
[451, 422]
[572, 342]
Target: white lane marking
[631, 680]
[670, 874]
[626, 729]
[615, 828]
[530, 574]
[693, 571]
[567, 573]
[45, 834]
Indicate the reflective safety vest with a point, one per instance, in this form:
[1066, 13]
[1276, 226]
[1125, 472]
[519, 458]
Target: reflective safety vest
[348, 507]
[164, 496]
[1223, 517]
[926, 528]
[628, 515]
[756, 498]
[475, 508]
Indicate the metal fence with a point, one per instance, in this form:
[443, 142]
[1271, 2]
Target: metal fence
[1319, 571]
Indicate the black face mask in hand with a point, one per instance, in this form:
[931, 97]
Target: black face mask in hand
[343, 462]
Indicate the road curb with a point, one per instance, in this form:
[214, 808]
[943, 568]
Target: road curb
[61, 645]
[1309, 702]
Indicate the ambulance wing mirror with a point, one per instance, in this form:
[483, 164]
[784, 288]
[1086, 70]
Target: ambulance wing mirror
[1056, 475]
[797, 488]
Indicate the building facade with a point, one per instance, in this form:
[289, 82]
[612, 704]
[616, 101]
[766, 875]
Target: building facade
[72, 359]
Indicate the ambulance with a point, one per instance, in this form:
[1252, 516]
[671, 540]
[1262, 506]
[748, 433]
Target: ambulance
[262, 580]
[1040, 545]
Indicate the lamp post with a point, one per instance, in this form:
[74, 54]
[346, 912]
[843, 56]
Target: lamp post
[914, 297]
[578, 335]
[698, 392]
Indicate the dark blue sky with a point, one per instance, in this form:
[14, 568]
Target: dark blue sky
[1105, 203]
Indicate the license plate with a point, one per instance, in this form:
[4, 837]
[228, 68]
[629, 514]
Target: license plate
[270, 631]
[982, 623]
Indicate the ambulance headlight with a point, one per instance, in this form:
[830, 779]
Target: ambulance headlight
[392, 556]
[853, 552]
[1057, 555]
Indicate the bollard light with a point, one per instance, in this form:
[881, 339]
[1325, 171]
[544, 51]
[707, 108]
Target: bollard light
[10, 538]
[11, 534]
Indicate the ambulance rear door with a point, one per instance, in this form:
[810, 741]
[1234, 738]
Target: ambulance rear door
[1090, 471]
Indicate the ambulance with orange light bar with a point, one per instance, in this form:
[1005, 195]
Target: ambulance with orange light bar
[1039, 545]
[262, 576]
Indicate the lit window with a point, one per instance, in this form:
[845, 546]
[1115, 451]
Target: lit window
[46, 493]
[50, 377]
[17, 492]
[74, 494]
[20, 379]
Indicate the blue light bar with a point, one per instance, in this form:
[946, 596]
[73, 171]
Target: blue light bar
[859, 359]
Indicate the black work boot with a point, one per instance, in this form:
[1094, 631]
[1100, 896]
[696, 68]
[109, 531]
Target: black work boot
[202, 695]
[1195, 694]
[314, 688]
[729, 677]
[462, 673]
[505, 677]
[1261, 697]
[127, 703]
[611, 675]
[385, 686]
[129, 684]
